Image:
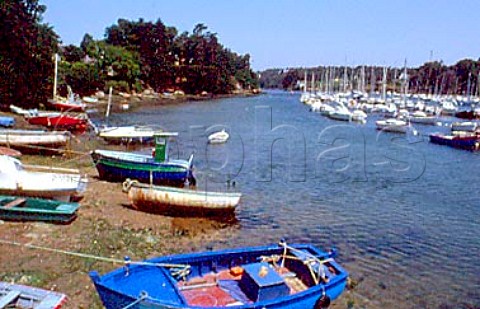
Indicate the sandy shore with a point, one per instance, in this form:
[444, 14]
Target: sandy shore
[106, 226]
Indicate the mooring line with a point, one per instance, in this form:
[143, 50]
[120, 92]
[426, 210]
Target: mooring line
[90, 256]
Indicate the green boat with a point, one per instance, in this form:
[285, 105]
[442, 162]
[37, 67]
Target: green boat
[33, 209]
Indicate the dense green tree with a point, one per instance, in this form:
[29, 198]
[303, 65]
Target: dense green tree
[26, 49]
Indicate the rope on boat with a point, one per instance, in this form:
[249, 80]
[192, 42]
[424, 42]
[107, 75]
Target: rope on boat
[182, 268]
[143, 296]
[127, 184]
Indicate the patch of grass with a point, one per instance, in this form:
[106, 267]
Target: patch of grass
[28, 277]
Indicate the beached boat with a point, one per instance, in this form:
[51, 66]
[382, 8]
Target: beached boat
[180, 201]
[218, 137]
[35, 209]
[468, 126]
[26, 297]
[467, 142]
[393, 125]
[65, 105]
[60, 122]
[277, 276]
[5, 151]
[34, 181]
[24, 112]
[34, 141]
[6, 121]
[127, 134]
[158, 169]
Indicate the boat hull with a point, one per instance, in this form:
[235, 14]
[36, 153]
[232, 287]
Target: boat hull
[31, 297]
[38, 210]
[118, 170]
[34, 141]
[180, 202]
[119, 289]
[471, 143]
[62, 122]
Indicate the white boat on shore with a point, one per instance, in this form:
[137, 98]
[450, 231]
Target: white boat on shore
[127, 134]
[394, 125]
[179, 201]
[34, 141]
[218, 137]
[40, 181]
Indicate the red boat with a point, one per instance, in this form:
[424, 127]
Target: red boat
[66, 106]
[60, 122]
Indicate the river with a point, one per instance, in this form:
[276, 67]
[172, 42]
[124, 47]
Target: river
[402, 212]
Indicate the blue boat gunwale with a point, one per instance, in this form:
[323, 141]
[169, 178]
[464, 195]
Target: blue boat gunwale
[198, 257]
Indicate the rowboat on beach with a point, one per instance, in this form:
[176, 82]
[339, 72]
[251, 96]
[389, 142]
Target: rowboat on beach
[4, 151]
[127, 134]
[40, 181]
[34, 209]
[156, 169]
[60, 122]
[34, 141]
[277, 276]
[26, 297]
[6, 121]
[180, 201]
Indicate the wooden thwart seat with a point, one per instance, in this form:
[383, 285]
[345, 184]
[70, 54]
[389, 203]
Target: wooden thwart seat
[8, 298]
[15, 202]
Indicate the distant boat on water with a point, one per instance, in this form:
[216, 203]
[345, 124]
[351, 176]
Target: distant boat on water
[218, 137]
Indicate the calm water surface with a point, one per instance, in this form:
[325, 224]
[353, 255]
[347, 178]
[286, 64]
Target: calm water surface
[403, 213]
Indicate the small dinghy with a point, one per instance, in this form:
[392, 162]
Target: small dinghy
[5, 151]
[7, 121]
[218, 137]
[25, 297]
[180, 201]
[33, 209]
[276, 276]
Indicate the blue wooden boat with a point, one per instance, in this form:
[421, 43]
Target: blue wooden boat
[467, 142]
[33, 209]
[157, 169]
[7, 121]
[277, 276]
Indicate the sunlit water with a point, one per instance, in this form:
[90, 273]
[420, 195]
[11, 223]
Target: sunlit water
[403, 213]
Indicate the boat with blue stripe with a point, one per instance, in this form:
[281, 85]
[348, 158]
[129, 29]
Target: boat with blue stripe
[276, 276]
[117, 166]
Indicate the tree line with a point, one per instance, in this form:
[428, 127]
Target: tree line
[132, 56]
[433, 77]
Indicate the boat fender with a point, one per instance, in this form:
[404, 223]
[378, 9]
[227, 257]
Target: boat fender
[323, 301]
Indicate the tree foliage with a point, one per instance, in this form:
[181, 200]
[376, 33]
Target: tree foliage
[26, 49]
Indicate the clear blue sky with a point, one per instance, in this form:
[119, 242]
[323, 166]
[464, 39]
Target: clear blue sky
[288, 33]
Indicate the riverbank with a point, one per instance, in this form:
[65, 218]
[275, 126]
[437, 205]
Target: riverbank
[107, 227]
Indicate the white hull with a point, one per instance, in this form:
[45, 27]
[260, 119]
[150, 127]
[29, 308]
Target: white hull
[467, 126]
[393, 125]
[15, 179]
[37, 138]
[146, 196]
[424, 120]
[218, 137]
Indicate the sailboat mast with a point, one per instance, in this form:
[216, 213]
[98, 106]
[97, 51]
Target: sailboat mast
[305, 83]
[55, 77]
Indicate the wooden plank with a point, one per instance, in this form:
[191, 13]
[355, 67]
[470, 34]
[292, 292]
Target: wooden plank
[15, 202]
[9, 298]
